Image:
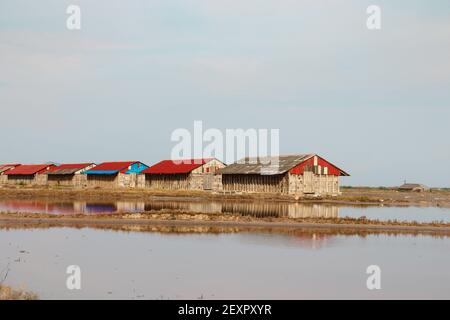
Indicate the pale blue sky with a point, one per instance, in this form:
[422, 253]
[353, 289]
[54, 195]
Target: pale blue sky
[376, 103]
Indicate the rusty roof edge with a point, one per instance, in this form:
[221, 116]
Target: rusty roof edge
[64, 172]
[259, 168]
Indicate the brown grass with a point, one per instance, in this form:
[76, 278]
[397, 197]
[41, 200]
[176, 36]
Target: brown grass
[200, 222]
[7, 293]
[354, 195]
[169, 214]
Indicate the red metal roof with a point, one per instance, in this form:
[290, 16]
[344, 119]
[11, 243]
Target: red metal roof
[114, 166]
[5, 167]
[65, 166]
[27, 169]
[332, 169]
[176, 166]
[9, 165]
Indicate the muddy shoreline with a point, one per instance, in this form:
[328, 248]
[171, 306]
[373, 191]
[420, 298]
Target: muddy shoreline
[217, 223]
[349, 196]
[171, 219]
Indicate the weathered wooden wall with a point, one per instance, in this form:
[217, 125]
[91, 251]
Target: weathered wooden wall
[112, 181]
[40, 179]
[324, 185]
[60, 180]
[167, 181]
[217, 183]
[192, 181]
[129, 180]
[292, 184]
[106, 181]
[68, 180]
[253, 183]
[120, 180]
[80, 181]
[29, 180]
[201, 181]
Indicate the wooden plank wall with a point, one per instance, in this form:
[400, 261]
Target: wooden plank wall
[20, 179]
[60, 180]
[106, 181]
[167, 181]
[292, 184]
[253, 183]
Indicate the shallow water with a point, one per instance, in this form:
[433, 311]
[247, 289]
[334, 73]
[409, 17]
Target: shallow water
[140, 265]
[255, 208]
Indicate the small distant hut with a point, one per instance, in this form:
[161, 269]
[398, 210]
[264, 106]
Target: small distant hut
[68, 174]
[416, 187]
[115, 174]
[187, 174]
[297, 175]
[28, 174]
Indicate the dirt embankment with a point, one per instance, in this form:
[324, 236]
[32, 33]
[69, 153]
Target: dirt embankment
[355, 196]
[433, 198]
[170, 219]
[148, 221]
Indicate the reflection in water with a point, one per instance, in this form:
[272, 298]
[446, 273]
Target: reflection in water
[258, 209]
[308, 238]
[39, 206]
[83, 207]
[185, 206]
[254, 209]
[132, 265]
[283, 209]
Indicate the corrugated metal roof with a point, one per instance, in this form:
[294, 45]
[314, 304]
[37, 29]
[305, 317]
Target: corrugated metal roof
[28, 169]
[265, 165]
[9, 165]
[176, 166]
[410, 186]
[68, 168]
[111, 167]
[5, 167]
